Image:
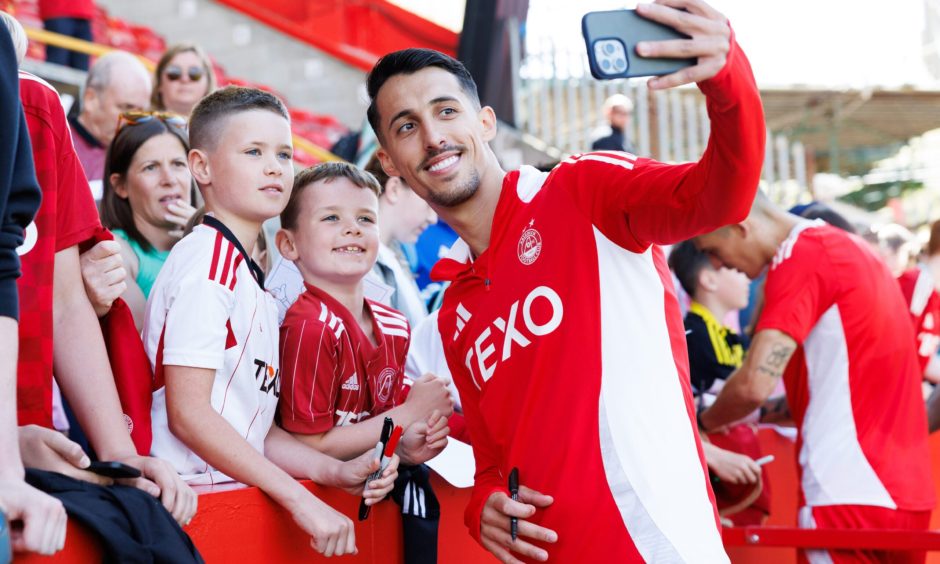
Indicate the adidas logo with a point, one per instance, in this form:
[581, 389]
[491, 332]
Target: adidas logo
[352, 383]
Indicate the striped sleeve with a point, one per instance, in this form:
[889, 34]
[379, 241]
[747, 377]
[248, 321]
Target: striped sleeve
[200, 301]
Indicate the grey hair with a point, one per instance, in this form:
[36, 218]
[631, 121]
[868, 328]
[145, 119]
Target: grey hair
[17, 35]
[99, 75]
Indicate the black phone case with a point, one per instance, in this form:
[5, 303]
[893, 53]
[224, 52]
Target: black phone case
[630, 28]
[113, 469]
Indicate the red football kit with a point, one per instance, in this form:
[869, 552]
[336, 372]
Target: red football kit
[923, 303]
[853, 385]
[567, 345]
[332, 374]
[66, 217]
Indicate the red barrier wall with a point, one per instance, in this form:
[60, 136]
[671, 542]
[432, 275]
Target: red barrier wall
[243, 525]
[355, 31]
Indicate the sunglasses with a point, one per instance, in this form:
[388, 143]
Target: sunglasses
[174, 73]
[136, 118]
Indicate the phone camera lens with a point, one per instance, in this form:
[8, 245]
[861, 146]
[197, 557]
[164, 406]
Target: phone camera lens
[606, 64]
[620, 64]
[609, 48]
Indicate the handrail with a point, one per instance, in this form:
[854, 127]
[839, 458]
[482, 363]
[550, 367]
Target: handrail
[857, 539]
[97, 50]
[80, 45]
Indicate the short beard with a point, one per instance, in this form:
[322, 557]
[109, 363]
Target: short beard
[459, 195]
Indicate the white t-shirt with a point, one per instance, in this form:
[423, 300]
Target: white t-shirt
[207, 310]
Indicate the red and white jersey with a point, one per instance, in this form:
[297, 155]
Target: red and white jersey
[66, 217]
[207, 310]
[567, 345]
[923, 303]
[333, 374]
[853, 385]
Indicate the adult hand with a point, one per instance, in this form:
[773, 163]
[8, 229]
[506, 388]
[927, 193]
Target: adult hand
[331, 532]
[160, 479]
[42, 516]
[429, 393]
[354, 473]
[179, 213]
[424, 440]
[710, 39]
[50, 450]
[494, 526]
[732, 467]
[104, 275]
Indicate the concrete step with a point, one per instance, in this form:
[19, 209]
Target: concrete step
[250, 50]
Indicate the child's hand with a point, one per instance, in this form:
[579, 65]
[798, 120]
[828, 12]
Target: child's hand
[422, 441]
[354, 473]
[331, 532]
[427, 394]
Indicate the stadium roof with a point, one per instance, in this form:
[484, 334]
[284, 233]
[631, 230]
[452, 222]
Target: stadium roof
[862, 124]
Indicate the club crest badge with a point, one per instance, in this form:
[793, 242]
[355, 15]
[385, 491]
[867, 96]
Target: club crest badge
[530, 245]
[385, 380]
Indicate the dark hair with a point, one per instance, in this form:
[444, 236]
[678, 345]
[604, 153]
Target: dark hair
[410, 61]
[687, 262]
[374, 167]
[156, 99]
[326, 172]
[214, 108]
[116, 211]
[827, 214]
[933, 245]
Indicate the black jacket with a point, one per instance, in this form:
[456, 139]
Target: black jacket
[19, 191]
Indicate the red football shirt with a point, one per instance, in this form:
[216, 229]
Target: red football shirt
[331, 372]
[66, 217]
[853, 385]
[83, 9]
[567, 346]
[923, 303]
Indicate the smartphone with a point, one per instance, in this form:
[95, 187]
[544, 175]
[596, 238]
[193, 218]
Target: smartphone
[611, 38]
[113, 469]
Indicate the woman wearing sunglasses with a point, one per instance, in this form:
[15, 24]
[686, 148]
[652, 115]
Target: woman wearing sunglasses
[183, 77]
[148, 196]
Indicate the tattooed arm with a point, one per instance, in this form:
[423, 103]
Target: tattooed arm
[750, 386]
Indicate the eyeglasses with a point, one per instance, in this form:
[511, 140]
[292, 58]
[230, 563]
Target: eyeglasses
[136, 118]
[175, 72]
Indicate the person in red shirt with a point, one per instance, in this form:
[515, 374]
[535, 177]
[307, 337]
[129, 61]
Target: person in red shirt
[561, 326]
[919, 286]
[830, 328]
[53, 301]
[72, 18]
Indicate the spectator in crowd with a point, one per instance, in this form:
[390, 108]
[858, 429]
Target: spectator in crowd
[182, 77]
[209, 318]
[618, 110]
[715, 351]
[402, 217]
[72, 18]
[830, 327]
[117, 82]
[561, 304]
[42, 518]
[919, 286]
[54, 302]
[148, 196]
[345, 354]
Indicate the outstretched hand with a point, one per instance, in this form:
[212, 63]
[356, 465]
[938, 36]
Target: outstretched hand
[710, 40]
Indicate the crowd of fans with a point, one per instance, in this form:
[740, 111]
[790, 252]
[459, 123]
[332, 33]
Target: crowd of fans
[151, 327]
